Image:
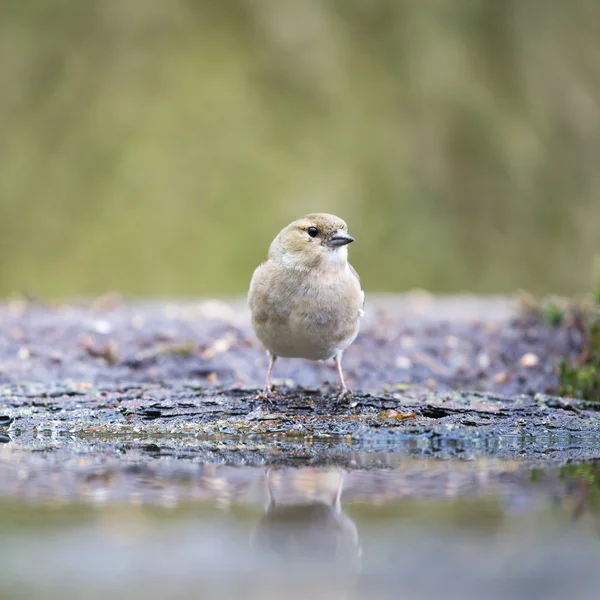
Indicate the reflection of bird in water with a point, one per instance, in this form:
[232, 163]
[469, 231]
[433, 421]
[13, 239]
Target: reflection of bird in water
[313, 530]
[574, 500]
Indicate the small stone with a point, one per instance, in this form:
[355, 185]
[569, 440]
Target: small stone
[403, 362]
[483, 361]
[102, 327]
[529, 360]
[502, 377]
[221, 345]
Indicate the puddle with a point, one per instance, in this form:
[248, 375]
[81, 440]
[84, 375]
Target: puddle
[153, 522]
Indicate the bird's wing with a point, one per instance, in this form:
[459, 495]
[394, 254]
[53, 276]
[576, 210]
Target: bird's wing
[353, 270]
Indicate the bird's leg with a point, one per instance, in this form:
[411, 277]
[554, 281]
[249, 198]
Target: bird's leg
[337, 498]
[343, 391]
[272, 359]
[271, 501]
[266, 393]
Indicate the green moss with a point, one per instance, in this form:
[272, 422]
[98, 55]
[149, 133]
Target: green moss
[582, 379]
[553, 315]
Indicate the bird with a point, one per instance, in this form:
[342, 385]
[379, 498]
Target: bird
[305, 298]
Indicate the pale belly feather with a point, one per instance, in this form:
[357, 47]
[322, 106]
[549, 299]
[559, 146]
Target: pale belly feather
[316, 325]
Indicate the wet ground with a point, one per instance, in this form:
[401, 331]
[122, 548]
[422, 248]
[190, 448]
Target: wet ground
[136, 458]
[464, 343]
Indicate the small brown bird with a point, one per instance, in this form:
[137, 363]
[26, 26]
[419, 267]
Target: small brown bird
[306, 298]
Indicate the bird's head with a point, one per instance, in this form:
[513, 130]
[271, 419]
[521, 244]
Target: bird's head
[314, 240]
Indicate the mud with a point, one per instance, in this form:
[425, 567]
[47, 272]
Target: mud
[471, 343]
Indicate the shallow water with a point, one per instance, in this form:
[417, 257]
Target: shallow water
[136, 523]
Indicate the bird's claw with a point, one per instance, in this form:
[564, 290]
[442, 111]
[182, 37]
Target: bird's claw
[342, 395]
[267, 395]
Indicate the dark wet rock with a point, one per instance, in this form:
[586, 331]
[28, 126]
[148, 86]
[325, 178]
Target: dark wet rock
[5, 420]
[308, 425]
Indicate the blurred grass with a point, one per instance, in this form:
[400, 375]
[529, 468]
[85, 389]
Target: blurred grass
[156, 147]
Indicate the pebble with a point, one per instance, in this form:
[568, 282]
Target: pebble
[403, 362]
[483, 361]
[502, 377]
[102, 327]
[529, 360]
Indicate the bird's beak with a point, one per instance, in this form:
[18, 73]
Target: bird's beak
[340, 238]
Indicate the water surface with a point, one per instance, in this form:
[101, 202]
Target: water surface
[140, 524]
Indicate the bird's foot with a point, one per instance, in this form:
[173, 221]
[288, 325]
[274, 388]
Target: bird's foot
[267, 395]
[342, 395]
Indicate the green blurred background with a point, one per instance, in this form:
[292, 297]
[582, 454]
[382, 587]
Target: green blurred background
[157, 146]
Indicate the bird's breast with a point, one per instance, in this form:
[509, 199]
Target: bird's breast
[306, 315]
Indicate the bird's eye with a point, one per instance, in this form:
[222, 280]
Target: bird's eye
[313, 231]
